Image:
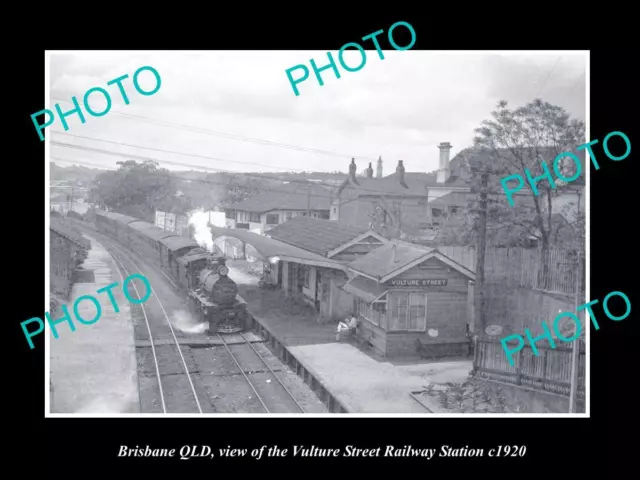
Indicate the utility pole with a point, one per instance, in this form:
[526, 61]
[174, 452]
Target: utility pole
[480, 252]
[309, 201]
[575, 351]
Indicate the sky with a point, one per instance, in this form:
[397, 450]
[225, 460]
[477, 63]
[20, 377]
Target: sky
[231, 106]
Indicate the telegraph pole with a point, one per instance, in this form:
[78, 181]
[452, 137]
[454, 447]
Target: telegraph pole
[575, 351]
[480, 253]
[309, 200]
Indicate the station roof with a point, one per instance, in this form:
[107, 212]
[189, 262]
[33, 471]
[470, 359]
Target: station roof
[314, 234]
[364, 288]
[397, 257]
[273, 249]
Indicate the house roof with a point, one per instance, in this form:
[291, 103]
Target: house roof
[68, 232]
[383, 263]
[273, 249]
[291, 196]
[385, 186]
[316, 235]
[428, 179]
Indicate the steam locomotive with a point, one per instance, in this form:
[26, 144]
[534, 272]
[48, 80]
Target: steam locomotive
[212, 295]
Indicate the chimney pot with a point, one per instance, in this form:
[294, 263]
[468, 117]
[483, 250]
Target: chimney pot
[379, 168]
[443, 171]
[352, 169]
[400, 172]
[370, 171]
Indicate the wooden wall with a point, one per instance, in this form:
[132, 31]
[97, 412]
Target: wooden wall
[447, 312]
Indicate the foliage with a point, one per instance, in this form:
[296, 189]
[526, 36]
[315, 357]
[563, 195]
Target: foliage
[510, 142]
[471, 397]
[224, 188]
[138, 190]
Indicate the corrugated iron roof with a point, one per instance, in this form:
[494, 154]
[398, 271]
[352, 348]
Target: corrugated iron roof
[382, 261]
[270, 248]
[313, 234]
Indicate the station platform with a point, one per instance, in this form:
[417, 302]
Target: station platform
[94, 369]
[340, 373]
[365, 385]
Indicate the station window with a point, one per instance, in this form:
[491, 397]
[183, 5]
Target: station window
[254, 217]
[408, 312]
[375, 312]
[272, 219]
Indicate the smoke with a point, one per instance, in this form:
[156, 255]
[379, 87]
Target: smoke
[200, 219]
[183, 321]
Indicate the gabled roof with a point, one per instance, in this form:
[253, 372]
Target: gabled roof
[69, 233]
[292, 196]
[396, 257]
[316, 235]
[274, 250]
[385, 186]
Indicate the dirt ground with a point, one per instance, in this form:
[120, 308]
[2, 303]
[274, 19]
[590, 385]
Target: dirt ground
[295, 323]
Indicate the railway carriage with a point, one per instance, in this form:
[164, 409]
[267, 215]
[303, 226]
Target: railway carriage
[171, 249]
[114, 224]
[146, 238]
[212, 295]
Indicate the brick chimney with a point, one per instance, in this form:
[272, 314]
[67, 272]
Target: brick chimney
[444, 172]
[369, 171]
[352, 170]
[379, 168]
[400, 172]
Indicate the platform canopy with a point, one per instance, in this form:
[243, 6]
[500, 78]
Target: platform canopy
[274, 250]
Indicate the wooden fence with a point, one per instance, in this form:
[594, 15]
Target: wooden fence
[523, 267]
[550, 370]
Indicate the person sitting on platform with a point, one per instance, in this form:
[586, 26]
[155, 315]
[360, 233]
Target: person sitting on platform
[349, 325]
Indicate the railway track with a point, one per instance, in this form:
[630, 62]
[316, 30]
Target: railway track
[271, 393]
[292, 403]
[195, 406]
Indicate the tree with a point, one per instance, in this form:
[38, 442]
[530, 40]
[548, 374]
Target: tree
[138, 190]
[507, 144]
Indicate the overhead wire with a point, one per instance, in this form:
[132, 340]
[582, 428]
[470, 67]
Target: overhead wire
[171, 162]
[232, 136]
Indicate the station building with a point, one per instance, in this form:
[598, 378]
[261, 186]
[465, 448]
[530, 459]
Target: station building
[307, 258]
[410, 298]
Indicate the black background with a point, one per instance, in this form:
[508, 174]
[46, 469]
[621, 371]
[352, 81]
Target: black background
[81, 447]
